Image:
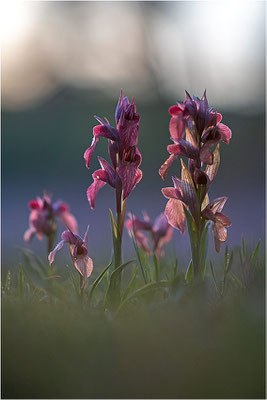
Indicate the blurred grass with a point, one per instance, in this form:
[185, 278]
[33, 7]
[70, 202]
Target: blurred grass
[185, 341]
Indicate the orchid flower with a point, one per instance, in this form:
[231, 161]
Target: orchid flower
[202, 127]
[195, 128]
[161, 232]
[78, 251]
[42, 220]
[124, 174]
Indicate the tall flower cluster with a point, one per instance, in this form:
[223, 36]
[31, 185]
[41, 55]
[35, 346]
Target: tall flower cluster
[195, 128]
[123, 173]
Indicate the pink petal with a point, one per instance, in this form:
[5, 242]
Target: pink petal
[34, 205]
[175, 214]
[51, 256]
[130, 175]
[85, 240]
[175, 110]
[94, 188]
[217, 204]
[225, 132]
[89, 152]
[170, 193]
[28, 235]
[223, 219]
[163, 171]
[177, 126]
[70, 221]
[219, 231]
[84, 266]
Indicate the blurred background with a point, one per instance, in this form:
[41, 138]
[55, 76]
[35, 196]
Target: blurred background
[64, 62]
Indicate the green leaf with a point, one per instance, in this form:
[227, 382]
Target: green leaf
[189, 273]
[193, 234]
[21, 282]
[97, 281]
[254, 255]
[113, 293]
[131, 284]
[113, 226]
[214, 279]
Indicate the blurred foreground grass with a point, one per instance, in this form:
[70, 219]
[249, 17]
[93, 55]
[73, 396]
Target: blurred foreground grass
[181, 341]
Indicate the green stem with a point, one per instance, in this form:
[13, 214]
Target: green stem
[156, 265]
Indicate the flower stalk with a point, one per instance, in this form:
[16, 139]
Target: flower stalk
[188, 200]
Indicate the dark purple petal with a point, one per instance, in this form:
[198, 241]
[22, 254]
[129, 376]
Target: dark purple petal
[139, 224]
[163, 171]
[174, 212]
[110, 173]
[206, 156]
[189, 192]
[183, 148]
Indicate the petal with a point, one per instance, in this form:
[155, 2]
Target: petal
[110, 173]
[85, 238]
[139, 224]
[189, 192]
[206, 156]
[70, 221]
[130, 175]
[217, 204]
[175, 110]
[60, 207]
[222, 219]
[219, 231]
[166, 166]
[51, 256]
[225, 132]
[161, 224]
[34, 205]
[212, 169]
[84, 266]
[174, 212]
[183, 148]
[170, 193]
[99, 181]
[103, 130]
[177, 126]
[89, 152]
[28, 235]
